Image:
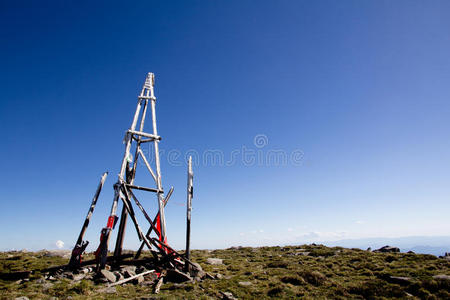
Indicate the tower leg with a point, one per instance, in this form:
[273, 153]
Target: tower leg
[120, 235]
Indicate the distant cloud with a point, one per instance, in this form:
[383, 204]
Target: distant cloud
[261, 231]
[310, 235]
[290, 229]
[359, 222]
[321, 236]
[241, 234]
[59, 244]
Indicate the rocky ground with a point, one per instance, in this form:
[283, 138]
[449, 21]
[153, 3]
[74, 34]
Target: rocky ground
[307, 271]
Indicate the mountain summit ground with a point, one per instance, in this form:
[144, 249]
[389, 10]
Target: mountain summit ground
[306, 271]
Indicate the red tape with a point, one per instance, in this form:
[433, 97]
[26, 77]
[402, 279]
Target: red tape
[110, 222]
[158, 226]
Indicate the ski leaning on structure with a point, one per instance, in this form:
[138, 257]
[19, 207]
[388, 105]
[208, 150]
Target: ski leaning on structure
[190, 195]
[80, 245]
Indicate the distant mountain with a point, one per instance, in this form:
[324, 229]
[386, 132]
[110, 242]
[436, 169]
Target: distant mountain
[436, 245]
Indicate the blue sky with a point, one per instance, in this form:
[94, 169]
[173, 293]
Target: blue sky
[354, 93]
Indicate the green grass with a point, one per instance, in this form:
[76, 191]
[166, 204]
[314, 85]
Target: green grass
[275, 272]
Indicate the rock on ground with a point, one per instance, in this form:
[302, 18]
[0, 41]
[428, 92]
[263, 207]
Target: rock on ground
[130, 268]
[214, 261]
[197, 272]
[78, 277]
[227, 296]
[129, 271]
[199, 268]
[386, 249]
[109, 275]
[442, 277]
[245, 283]
[399, 280]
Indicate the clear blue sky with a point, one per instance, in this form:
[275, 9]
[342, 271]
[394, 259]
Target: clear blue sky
[361, 88]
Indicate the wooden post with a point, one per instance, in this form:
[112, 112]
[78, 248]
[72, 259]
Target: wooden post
[190, 192]
[120, 234]
[162, 218]
[130, 180]
[123, 222]
[106, 232]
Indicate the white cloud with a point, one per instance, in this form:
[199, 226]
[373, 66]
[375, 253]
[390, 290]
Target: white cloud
[359, 222]
[290, 229]
[241, 234]
[322, 236]
[59, 244]
[309, 235]
[261, 231]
